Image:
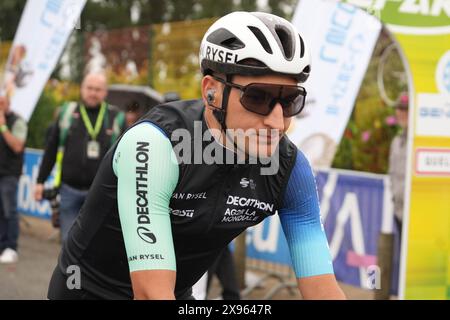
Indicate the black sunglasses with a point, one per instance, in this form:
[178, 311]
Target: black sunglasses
[261, 98]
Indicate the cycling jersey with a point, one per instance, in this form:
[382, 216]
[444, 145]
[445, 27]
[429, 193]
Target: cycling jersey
[149, 208]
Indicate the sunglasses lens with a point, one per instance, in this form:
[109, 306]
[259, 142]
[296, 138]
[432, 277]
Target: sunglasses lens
[293, 101]
[257, 99]
[261, 99]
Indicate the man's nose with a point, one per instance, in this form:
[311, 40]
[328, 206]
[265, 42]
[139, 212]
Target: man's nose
[275, 120]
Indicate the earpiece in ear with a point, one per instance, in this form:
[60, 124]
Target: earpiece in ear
[210, 96]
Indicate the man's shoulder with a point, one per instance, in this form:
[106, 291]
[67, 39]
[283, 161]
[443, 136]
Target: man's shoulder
[176, 115]
[180, 107]
[288, 151]
[68, 103]
[66, 106]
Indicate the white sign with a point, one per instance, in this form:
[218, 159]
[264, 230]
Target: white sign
[433, 162]
[342, 38]
[433, 115]
[40, 39]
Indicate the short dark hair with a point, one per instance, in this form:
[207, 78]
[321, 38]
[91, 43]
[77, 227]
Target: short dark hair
[133, 107]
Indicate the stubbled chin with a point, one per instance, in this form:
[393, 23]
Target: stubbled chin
[264, 150]
[268, 144]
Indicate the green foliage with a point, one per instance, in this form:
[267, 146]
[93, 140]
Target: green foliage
[10, 13]
[174, 61]
[40, 121]
[248, 5]
[112, 14]
[54, 95]
[282, 8]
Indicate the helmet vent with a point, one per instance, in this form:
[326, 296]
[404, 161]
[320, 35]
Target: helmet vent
[224, 38]
[307, 69]
[261, 38]
[285, 41]
[232, 43]
[302, 47]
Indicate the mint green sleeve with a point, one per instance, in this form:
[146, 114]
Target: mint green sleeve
[147, 173]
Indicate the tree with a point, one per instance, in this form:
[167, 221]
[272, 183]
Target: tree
[152, 11]
[106, 14]
[283, 8]
[214, 8]
[113, 14]
[10, 13]
[248, 5]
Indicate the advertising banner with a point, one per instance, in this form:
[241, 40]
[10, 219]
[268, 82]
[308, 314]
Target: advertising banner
[341, 38]
[40, 39]
[356, 207]
[25, 196]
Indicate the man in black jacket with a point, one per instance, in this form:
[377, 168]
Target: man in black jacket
[13, 134]
[84, 133]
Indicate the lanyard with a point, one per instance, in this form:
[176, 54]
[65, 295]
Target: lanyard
[98, 124]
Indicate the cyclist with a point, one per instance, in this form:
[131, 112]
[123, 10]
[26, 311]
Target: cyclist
[157, 216]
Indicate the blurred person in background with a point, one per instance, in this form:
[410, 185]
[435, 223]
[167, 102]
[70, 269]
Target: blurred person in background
[13, 134]
[397, 158]
[85, 131]
[133, 113]
[397, 175]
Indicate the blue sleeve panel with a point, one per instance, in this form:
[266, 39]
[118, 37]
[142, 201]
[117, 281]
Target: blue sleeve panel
[302, 225]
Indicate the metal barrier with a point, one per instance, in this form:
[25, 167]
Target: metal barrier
[281, 273]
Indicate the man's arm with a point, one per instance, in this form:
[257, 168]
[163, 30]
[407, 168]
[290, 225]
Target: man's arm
[302, 225]
[153, 284]
[48, 161]
[16, 137]
[323, 287]
[147, 174]
[16, 145]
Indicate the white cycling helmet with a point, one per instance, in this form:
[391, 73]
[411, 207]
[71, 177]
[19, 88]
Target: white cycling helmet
[273, 41]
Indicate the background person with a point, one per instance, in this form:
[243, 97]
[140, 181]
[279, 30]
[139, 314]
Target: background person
[132, 114]
[85, 131]
[397, 158]
[13, 134]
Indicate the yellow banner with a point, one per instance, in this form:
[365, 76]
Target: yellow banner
[422, 30]
[426, 245]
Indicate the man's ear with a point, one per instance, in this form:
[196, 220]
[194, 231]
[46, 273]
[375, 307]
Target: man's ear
[211, 89]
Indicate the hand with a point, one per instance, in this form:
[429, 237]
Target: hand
[38, 191]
